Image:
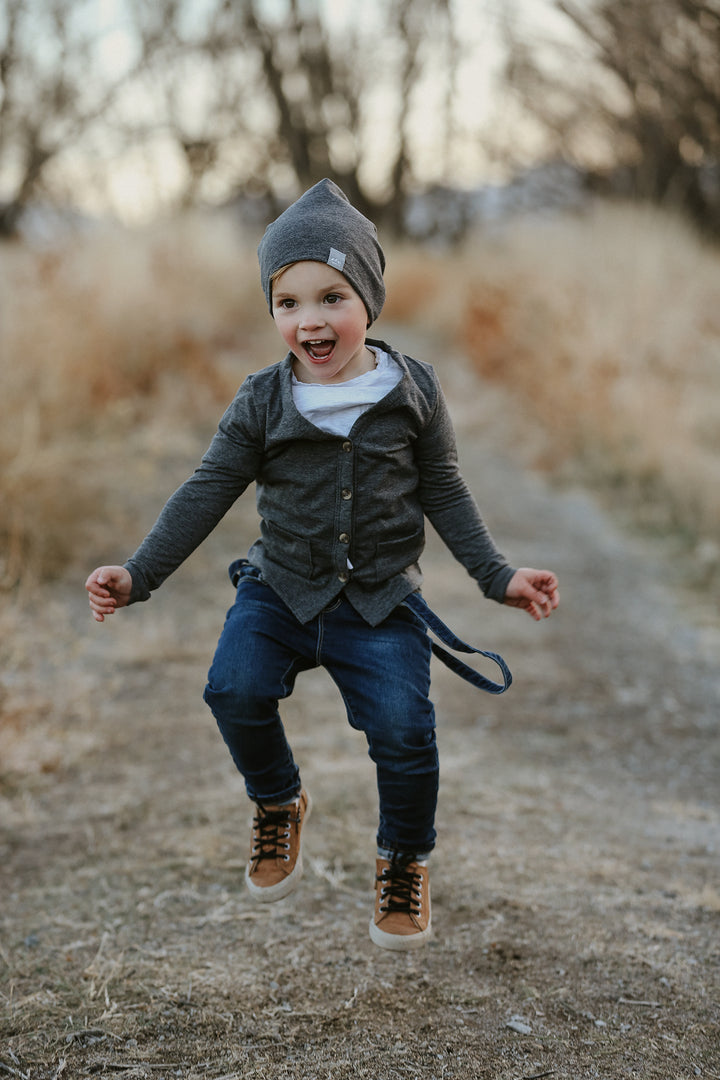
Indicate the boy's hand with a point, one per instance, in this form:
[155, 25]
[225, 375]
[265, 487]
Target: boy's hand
[108, 588]
[535, 591]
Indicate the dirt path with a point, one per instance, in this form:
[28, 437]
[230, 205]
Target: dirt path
[576, 886]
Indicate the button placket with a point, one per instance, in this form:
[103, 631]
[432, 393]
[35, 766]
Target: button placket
[344, 508]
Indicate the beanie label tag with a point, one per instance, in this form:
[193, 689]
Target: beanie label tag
[336, 258]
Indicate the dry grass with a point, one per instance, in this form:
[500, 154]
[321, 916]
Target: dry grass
[96, 337]
[606, 328]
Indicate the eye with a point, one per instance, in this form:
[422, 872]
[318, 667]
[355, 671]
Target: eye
[285, 304]
[333, 298]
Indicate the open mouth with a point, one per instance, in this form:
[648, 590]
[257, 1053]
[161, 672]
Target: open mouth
[318, 350]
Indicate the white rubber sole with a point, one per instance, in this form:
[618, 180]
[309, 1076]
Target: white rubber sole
[399, 942]
[270, 893]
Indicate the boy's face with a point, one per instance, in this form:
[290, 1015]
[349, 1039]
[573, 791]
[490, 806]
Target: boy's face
[323, 322]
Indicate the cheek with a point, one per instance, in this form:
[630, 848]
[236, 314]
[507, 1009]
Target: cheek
[284, 328]
[352, 326]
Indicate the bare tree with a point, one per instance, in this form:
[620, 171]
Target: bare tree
[319, 86]
[249, 97]
[643, 104]
[51, 93]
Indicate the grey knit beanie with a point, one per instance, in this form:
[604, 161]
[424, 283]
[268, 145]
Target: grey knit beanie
[323, 226]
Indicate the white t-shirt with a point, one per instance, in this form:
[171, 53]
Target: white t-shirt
[336, 407]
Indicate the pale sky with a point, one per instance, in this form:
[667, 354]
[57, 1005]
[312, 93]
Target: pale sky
[140, 179]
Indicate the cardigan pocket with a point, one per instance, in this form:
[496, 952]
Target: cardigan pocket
[288, 549]
[394, 556]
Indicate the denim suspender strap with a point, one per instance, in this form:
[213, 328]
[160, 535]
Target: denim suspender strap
[418, 606]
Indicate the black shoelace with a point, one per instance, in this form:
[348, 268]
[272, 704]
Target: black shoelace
[271, 833]
[400, 888]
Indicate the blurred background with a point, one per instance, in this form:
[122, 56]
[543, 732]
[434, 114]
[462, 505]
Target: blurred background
[545, 177]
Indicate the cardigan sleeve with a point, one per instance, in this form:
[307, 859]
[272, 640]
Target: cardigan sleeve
[230, 464]
[451, 508]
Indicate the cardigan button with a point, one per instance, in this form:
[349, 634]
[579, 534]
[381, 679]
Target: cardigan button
[346, 493]
[344, 538]
[343, 576]
[347, 446]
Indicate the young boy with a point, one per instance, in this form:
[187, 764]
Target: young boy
[351, 446]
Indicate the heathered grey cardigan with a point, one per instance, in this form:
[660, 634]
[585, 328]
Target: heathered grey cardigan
[324, 499]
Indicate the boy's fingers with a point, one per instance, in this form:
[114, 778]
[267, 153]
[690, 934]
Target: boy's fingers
[106, 588]
[536, 592]
[541, 603]
[547, 604]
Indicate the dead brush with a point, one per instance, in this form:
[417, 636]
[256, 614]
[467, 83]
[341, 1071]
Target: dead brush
[606, 330]
[605, 327]
[92, 334]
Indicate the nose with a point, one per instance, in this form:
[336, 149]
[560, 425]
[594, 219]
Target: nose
[311, 316]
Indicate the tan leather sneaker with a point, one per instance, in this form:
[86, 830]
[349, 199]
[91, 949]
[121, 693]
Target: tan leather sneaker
[402, 904]
[275, 865]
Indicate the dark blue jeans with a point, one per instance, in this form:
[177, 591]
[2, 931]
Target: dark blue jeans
[383, 674]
